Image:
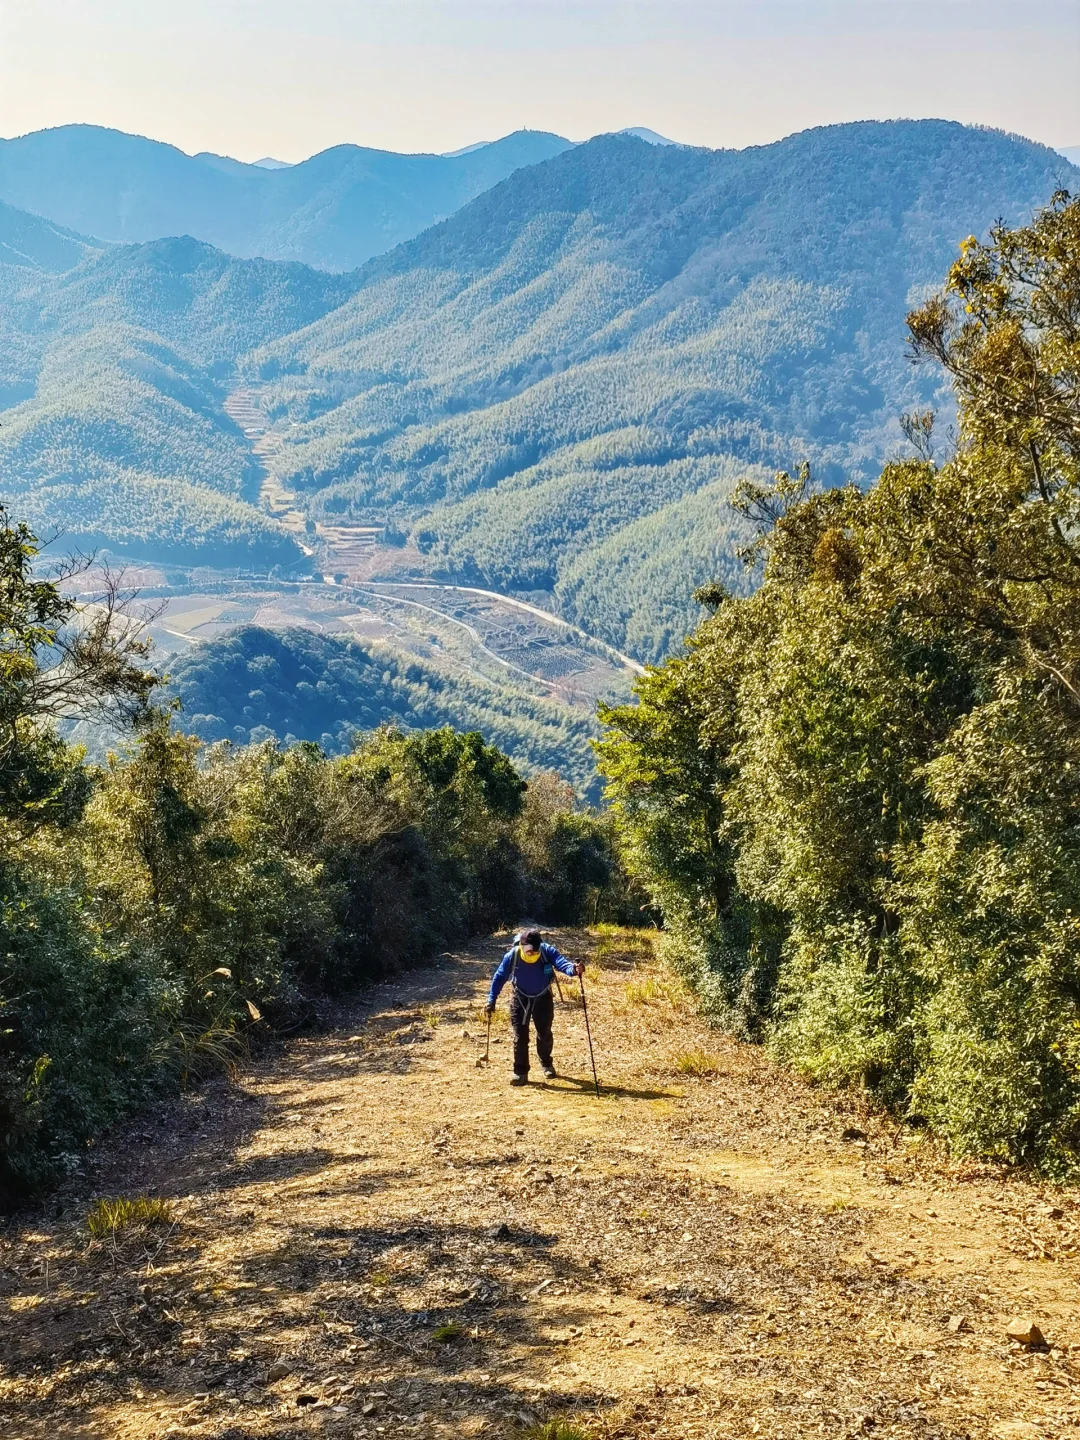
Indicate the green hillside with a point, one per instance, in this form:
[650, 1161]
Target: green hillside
[210, 304]
[30, 250]
[115, 373]
[254, 683]
[604, 335]
[334, 210]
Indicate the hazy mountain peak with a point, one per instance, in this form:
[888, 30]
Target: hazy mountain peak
[465, 150]
[642, 132]
[239, 167]
[517, 136]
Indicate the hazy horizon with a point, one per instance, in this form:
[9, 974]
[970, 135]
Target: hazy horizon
[256, 78]
[1071, 152]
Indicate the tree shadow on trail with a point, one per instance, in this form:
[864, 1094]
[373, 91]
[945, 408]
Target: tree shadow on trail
[414, 1318]
[436, 1303]
[206, 1307]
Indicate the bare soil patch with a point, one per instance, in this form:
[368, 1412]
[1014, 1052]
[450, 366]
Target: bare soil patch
[365, 1234]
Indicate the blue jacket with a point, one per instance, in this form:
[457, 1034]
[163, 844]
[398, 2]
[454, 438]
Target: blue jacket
[531, 977]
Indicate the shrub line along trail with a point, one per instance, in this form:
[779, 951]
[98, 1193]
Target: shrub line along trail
[693, 1255]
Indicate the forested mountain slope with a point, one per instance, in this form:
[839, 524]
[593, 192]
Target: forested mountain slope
[30, 250]
[334, 210]
[31, 243]
[622, 331]
[115, 372]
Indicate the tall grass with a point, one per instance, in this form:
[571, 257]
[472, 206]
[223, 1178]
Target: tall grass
[653, 990]
[698, 1062]
[107, 1217]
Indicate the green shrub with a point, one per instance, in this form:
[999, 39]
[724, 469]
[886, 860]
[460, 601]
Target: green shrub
[556, 1430]
[76, 1031]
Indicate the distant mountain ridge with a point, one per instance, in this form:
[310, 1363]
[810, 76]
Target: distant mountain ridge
[642, 132]
[332, 211]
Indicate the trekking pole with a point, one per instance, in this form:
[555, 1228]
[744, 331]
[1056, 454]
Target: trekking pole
[485, 1058]
[558, 987]
[588, 1034]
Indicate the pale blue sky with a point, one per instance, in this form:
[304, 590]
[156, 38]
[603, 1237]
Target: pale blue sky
[289, 77]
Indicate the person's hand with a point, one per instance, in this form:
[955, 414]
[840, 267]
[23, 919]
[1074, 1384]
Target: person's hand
[579, 967]
[489, 1009]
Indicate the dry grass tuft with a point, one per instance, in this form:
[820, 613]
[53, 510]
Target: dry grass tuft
[106, 1217]
[653, 990]
[698, 1062]
[193, 1053]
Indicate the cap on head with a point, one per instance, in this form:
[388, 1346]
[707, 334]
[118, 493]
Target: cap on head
[530, 939]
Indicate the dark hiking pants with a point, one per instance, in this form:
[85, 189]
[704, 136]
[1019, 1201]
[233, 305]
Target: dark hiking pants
[540, 1009]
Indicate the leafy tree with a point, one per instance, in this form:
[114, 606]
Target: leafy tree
[64, 1001]
[57, 659]
[570, 856]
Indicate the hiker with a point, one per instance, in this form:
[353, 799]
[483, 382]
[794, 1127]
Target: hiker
[530, 966]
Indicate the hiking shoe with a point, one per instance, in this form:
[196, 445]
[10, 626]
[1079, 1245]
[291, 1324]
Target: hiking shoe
[520, 1080]
[549, 1072]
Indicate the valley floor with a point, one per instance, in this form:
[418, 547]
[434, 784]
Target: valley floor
[462, 629]
[373, 1236]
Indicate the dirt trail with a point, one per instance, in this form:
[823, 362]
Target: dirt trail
[430, 1253]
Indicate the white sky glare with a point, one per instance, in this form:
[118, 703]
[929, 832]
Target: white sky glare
[290, 77]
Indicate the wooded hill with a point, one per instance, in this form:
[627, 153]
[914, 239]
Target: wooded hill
[119, 368]
[255, 685]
